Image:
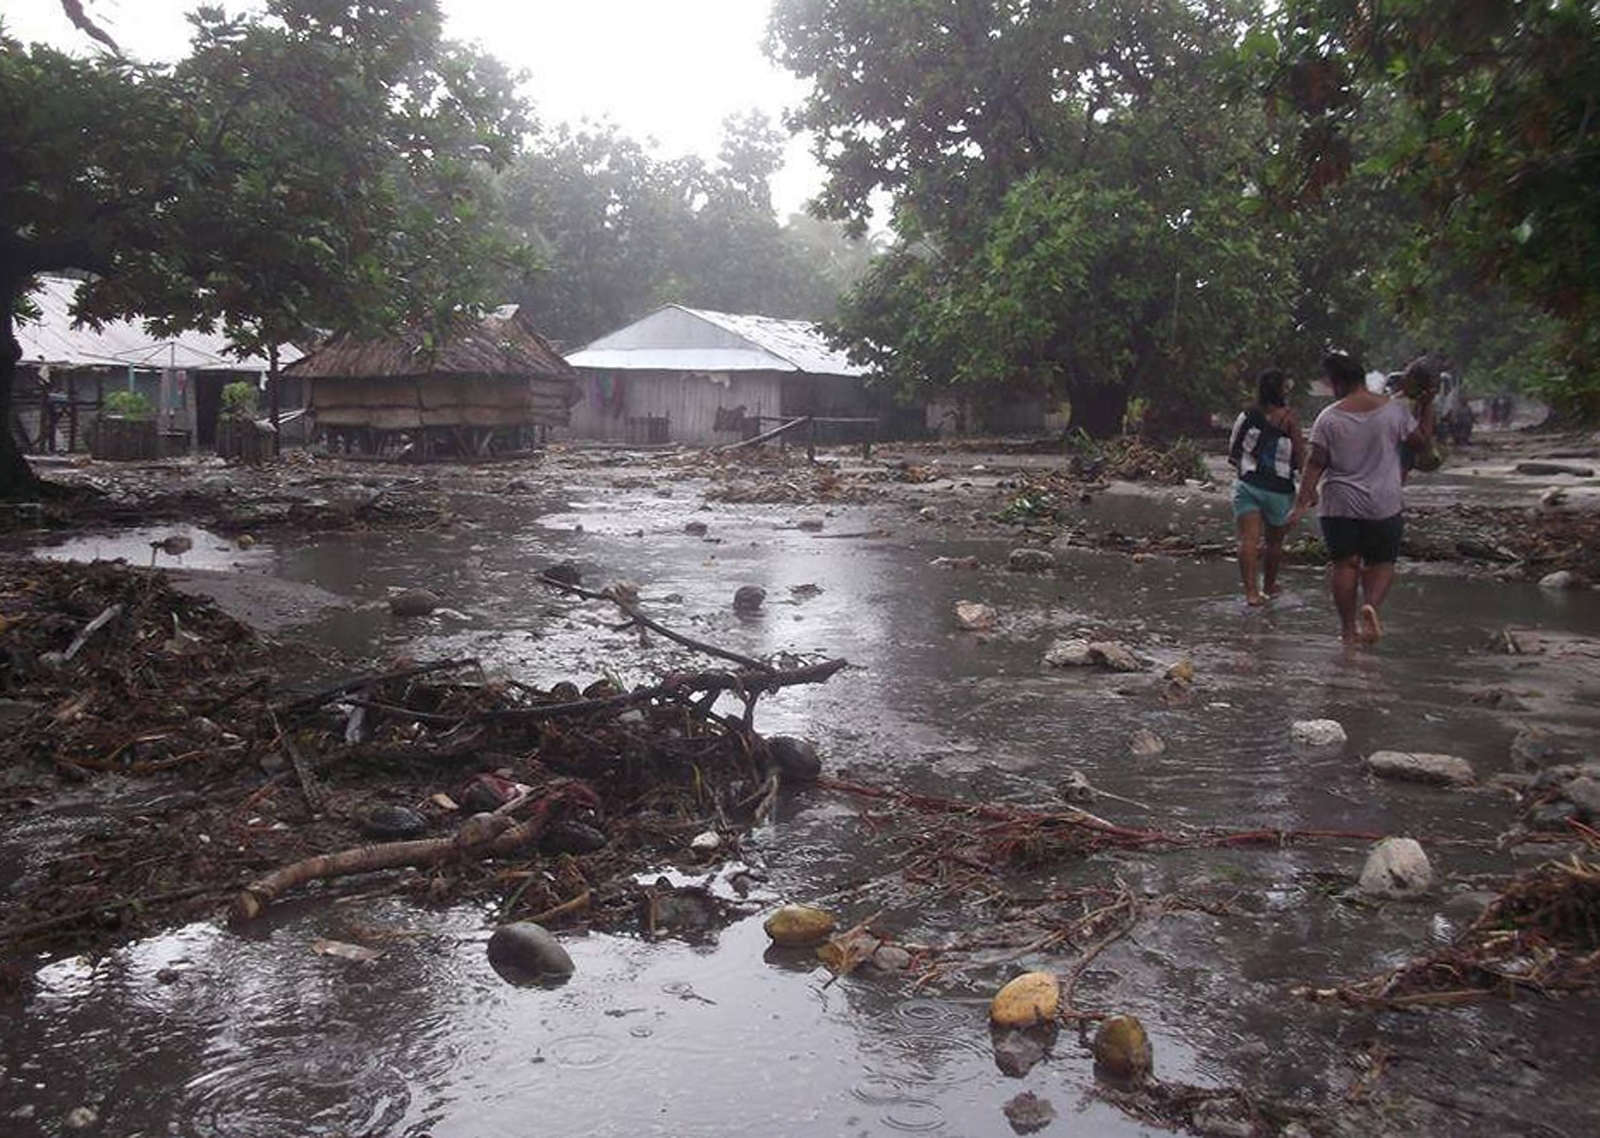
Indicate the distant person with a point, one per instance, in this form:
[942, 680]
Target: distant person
[1354, 477]
[1267, 450]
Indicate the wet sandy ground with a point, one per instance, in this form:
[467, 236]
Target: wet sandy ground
[261, 1036]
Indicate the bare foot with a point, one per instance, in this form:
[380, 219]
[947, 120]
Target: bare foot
[1254, 600]
[1371, 626]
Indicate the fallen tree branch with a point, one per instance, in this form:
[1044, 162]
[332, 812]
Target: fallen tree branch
[344, 687]
[635, 616]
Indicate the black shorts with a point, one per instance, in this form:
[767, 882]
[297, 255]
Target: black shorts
[1376, 540]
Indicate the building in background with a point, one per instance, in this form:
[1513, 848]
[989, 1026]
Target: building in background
[494, 388]
[687, 375]
[66, 371]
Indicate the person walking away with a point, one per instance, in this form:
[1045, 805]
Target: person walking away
[1267, 449]
[1354, 479]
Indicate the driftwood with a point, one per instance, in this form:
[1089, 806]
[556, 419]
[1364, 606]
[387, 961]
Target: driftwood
[630, 608]
[473, 839]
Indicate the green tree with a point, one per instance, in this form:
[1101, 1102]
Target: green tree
[319, 167]
[1489, 118]
[1072, 192]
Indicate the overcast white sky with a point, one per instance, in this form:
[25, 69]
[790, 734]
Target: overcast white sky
[667, 69]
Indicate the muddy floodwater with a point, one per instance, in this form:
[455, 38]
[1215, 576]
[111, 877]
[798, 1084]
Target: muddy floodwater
[203, 1031]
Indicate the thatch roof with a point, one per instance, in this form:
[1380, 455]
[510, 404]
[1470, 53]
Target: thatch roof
[502, 345]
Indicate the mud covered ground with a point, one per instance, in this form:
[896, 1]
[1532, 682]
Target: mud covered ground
[1206, 938]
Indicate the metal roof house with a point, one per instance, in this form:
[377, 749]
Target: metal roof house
[487, 389]
[688, 375]
[73, 367]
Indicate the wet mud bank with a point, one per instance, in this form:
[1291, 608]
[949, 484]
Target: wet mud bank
[1208, 941]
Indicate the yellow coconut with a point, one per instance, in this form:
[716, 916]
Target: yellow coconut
[1122, 1049]
[1032, 998]
[800, 926]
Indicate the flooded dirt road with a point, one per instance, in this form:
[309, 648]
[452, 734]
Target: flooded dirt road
[205, 1031]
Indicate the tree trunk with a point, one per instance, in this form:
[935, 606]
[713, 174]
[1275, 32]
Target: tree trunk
[17, 479]
[272, 398]
[1098, 408]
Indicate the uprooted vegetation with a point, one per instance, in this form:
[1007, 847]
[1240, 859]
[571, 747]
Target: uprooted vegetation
[218, 777]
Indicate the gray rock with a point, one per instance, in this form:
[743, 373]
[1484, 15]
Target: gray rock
[749, 598]
[1028, 560]
[525, 951]
[1534, 748]
[575, 838]
[1549, 469]
[1584, 793]
[1421, 767]
[795, 758]
[891, 958]
[393, 823]
[1018, 1050]
[1551, 817]
[413, 602]
[954, 563]
[1074, 787]
[566, 572]
[1396, 868]
[971, 616]
[81, 1118]
[1318, 733]
[1562, 579]
[1028, 1113]
[1069, 654]
[695, 529]
[1146, 744]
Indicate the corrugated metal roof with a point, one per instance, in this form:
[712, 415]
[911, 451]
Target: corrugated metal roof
[678, 338]
[53, 340]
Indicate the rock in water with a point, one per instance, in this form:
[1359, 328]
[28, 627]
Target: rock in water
[1562, 579]
[575, 838]
[695, 529]
[413, 602]
[1122, 1049]
[1074, 787]
[1114, 656]
[1418, 766]
[891, 958]
[800, 926]
[795, 758]
[1028, 1113]
[566, 572]
[1534, 748]
[393, 823]
[1396, 868]
[1030, 999]
[1069, 654]
[1017, 1050]
[1318, 733]
[1027, 560]
[1584, 793]
[749, 598]
[974, 617]
[528, 951]
[1146, 744]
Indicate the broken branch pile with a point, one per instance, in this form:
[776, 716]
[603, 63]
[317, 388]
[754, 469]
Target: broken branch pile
[490, 785]
[1542, 934]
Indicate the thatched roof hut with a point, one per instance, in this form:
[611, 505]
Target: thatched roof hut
[498, 376]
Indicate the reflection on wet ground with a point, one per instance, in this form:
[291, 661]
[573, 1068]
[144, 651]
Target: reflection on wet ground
[263, 1036]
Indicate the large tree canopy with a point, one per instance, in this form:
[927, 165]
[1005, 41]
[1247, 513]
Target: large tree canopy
[1485, 116]
[1071, 185]
[323, 166]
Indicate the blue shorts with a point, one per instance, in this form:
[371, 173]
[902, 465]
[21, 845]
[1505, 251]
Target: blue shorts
[1273, 505]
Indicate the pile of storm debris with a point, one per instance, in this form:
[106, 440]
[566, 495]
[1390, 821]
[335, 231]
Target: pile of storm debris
[162, 761]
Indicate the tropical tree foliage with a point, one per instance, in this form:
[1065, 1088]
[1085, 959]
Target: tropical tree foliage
[622, 230]
[1484, 114]
[319, 166]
